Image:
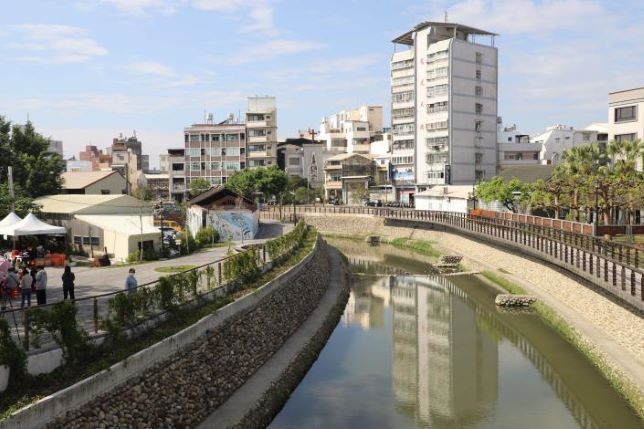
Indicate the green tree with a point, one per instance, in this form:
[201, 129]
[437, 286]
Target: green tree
[512, 194]
[198, 185]
[268, 182]
[36, 171]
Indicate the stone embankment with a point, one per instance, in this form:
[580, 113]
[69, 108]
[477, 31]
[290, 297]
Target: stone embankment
[184, 390]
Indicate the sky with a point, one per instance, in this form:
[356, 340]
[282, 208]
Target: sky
[88, 71]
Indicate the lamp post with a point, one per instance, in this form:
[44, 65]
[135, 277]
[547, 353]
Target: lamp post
[596, 220]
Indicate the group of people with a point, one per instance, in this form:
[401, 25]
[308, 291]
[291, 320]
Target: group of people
[33, 281]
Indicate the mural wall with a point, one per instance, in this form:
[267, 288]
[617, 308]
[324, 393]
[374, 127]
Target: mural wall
[232, 225]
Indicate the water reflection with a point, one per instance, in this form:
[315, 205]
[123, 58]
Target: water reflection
[425, 351]
[444, 368]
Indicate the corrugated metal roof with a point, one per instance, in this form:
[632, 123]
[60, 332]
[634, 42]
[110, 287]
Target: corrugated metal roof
[82, 179]
[124, 224]
[526, 173]
[76, 203]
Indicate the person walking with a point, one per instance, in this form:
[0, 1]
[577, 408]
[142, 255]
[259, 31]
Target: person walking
[130, 282]
[41, 285]
[26, 282]
[68, 278]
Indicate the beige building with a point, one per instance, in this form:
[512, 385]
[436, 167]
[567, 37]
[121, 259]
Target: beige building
[93, 182]
[114, 224]
[626, 115]
[261, 126]
[352, 131]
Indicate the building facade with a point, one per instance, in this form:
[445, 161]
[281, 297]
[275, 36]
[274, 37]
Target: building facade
[443, 107]
[626, 115]
[352, 131]
[213, 151]
[261, 128]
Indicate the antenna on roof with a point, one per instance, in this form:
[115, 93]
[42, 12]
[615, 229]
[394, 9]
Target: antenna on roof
[445, 16]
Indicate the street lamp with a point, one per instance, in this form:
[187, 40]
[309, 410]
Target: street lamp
[597, 189]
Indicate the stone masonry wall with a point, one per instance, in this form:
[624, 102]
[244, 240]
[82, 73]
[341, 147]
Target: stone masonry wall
[182, 391]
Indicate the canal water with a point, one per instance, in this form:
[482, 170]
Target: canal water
[415, 350]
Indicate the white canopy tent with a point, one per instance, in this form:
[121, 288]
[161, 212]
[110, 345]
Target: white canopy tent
[10, 219]
[31, 225]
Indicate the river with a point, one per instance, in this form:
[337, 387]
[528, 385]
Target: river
[415, 350]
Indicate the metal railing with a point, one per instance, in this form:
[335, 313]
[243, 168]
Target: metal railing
[616, 268]
[94, 309]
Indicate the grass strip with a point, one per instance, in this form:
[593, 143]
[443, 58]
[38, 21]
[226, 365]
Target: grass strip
[617, 380]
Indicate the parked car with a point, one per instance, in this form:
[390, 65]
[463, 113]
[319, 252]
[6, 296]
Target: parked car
[374, 203]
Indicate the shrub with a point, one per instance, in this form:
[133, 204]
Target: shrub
[207, 236]
[11, 354]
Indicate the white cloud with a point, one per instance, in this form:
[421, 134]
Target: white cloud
[136, 7]
[521, 16]
[272, 49]
[348, 64]
[54, 44]
[151, 68]
[260, 13]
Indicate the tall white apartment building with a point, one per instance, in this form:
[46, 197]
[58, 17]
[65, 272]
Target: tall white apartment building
[261, 125]
[351, 131]
[443, 107]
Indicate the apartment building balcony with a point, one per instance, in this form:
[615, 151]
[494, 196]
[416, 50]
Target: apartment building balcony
[407, 104]
[257, 154]
[361, 148]
[259, 139]
[333, 167]
[258, 124]
[402, 120]
[402, 88]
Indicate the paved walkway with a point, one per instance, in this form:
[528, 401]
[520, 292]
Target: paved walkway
[92, 281]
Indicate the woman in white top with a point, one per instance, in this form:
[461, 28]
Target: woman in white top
[26, 280]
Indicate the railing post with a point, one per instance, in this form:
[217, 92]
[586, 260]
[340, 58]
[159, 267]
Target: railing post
[26, 324]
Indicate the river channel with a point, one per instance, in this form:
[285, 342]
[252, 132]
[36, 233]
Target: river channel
[416, 350]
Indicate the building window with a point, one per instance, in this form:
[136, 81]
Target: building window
[478, 74]
[478, 125]
[479, 57]
[478, 91]
[478, 158]
[625, 137]
[628, 113]
[478, 108]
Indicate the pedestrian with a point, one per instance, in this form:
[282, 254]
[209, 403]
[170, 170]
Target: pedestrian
[131, 283]
[41, 285]
[11, 282]
[68, 278]
[26, 283]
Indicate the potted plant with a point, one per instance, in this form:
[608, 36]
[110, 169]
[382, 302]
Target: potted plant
[13, 360]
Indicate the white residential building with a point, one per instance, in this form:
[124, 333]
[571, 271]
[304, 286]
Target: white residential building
[556, 139]
[352, 131]
[444, 107]
[515, 147]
